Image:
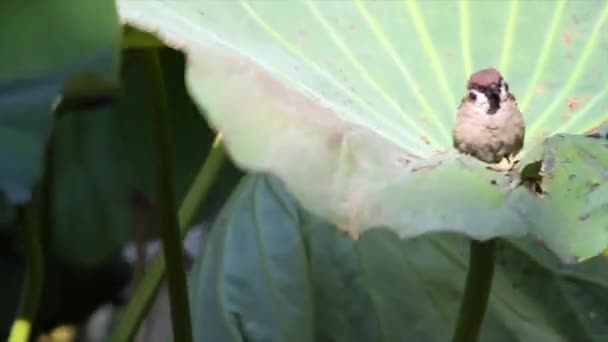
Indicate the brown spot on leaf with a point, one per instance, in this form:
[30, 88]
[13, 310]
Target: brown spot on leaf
[573, 103]
[347, 229]
[541, 89]
[425, 140]
[567, 38]
[406, 158]
[426, 167]
[403, 160]
[584, 216]
[334, 141]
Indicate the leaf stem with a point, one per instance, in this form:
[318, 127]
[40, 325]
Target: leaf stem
[133, 314]
[133, 38]
[34, 273]
[477, 291]
[171, 242]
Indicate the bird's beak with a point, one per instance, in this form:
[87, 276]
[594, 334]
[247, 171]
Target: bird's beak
[493, 94]
[494, 90]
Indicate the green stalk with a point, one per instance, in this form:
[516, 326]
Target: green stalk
[34, 273]
[477, 291]
[169, 227]
[134, 312]
[133, 38]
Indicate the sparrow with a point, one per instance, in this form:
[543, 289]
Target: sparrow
[489, 125]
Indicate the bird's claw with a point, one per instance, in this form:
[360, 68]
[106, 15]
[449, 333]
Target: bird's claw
[503, 166]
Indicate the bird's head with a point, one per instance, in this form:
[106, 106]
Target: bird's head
[487, 89]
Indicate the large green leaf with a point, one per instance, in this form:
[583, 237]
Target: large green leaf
[268, 250]
[575, 181]
[91, 188]
[104, 164]
[48, 48]
[351, 103]
[267, 264]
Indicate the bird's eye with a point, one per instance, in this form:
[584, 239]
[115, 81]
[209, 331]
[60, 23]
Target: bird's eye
[506, 86]
[472, 96]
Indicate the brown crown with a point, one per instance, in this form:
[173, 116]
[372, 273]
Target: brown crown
[484, 78]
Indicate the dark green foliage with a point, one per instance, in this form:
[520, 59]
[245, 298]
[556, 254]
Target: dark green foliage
[358, 138]
[267, 265]
[51, 48]
[70, 294]
[262, 269]
[104, 163]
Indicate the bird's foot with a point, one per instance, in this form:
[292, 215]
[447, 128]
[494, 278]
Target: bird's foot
[503, 166]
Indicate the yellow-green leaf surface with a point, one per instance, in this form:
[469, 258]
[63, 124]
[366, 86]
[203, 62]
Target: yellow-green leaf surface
[351, 103]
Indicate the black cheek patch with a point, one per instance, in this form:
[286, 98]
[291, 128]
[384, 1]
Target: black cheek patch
[493, 101]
